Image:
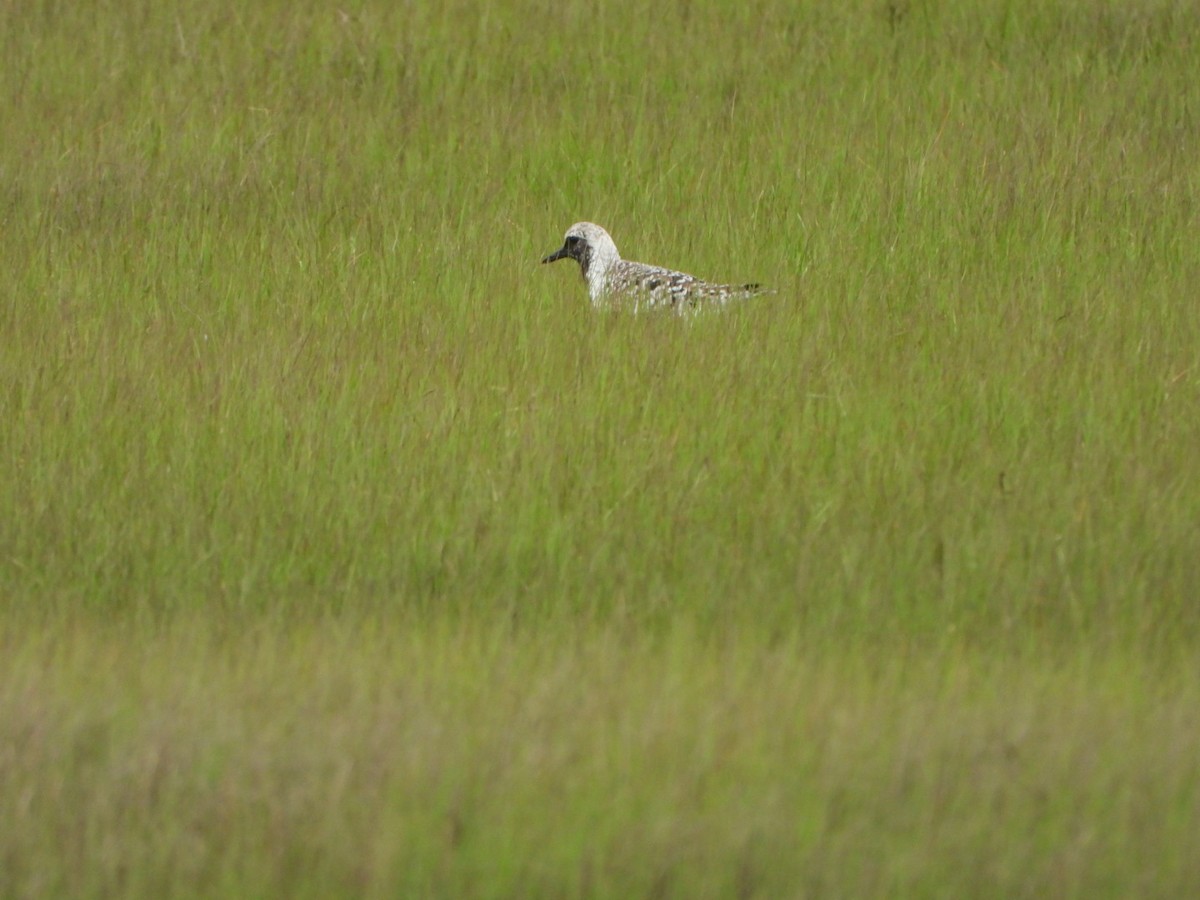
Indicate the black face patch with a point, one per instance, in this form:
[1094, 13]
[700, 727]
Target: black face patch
[580, 251]
[577, 248]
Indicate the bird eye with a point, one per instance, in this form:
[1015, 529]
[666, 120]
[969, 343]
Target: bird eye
[573, 239]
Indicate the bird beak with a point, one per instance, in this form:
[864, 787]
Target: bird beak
[556, 255]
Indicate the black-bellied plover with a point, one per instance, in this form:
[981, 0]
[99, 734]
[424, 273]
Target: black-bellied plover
[620, 283]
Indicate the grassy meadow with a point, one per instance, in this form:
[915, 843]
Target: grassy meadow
[346, 551]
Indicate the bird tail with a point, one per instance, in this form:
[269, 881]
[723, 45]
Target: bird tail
[755, 289]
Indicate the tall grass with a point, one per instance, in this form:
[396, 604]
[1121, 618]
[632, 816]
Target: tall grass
[465, 763]
[294, 423]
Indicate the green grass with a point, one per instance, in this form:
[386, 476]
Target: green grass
[345, 550]
[469, 762]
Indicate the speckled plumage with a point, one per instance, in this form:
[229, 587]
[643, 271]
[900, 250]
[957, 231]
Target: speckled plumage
[621, 283]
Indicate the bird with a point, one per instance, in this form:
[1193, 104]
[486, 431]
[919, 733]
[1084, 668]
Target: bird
[620, 283]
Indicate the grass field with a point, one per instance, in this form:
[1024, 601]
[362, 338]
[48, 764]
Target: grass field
[346, 551]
